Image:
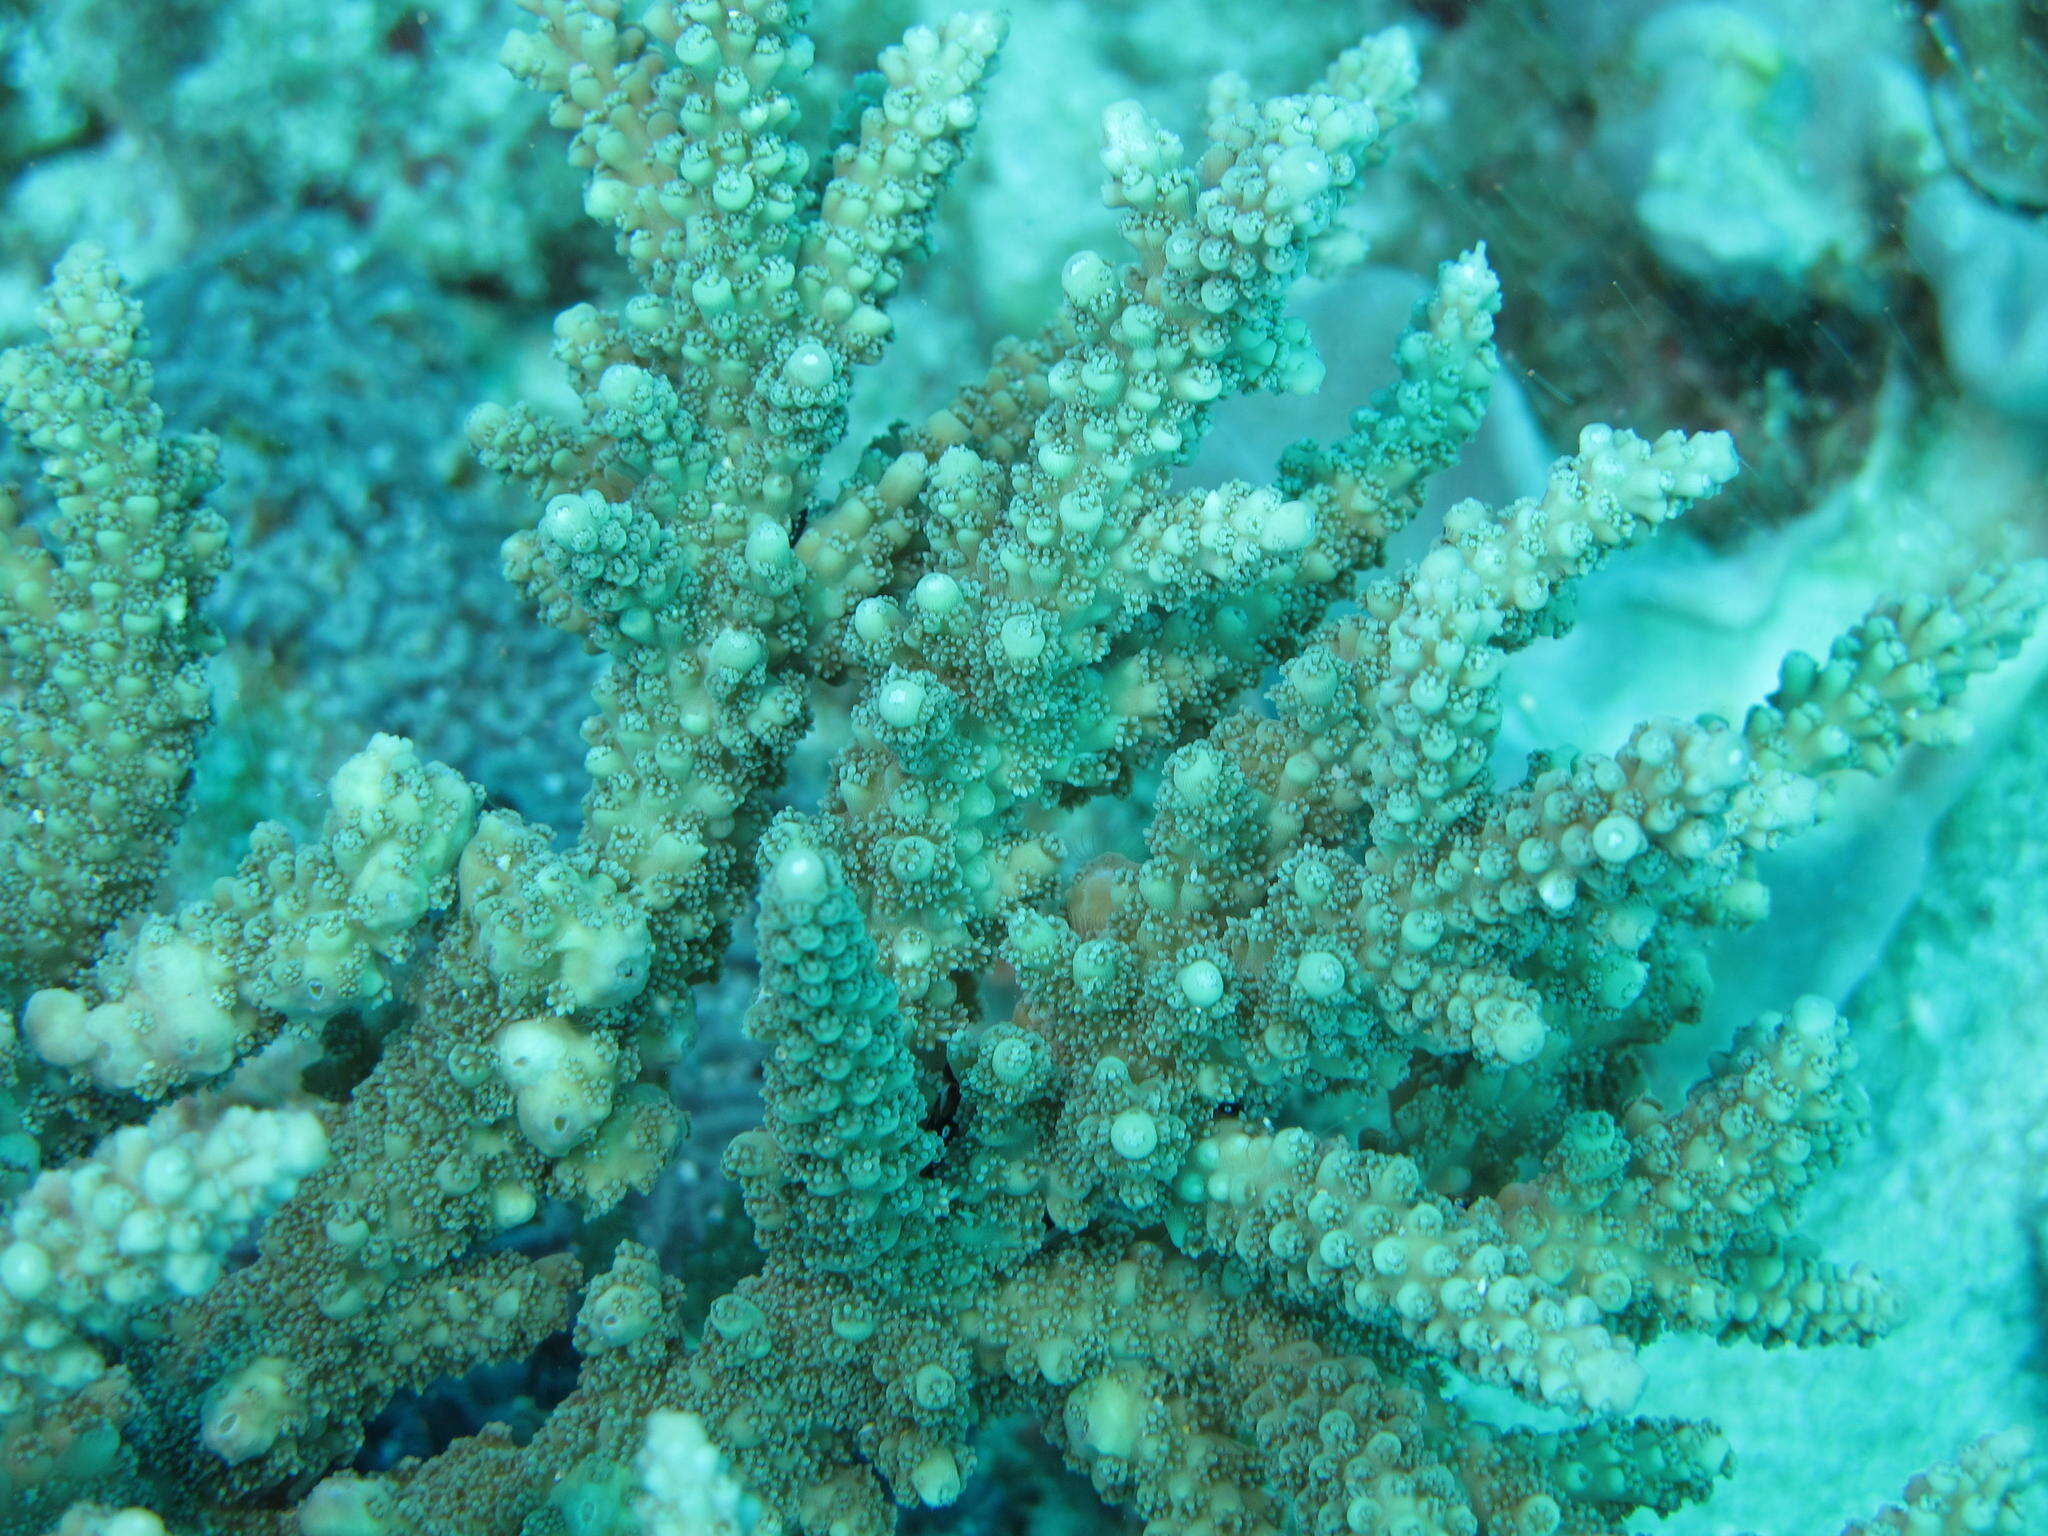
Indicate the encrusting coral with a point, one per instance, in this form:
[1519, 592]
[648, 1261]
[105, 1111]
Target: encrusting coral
[1236, 1167]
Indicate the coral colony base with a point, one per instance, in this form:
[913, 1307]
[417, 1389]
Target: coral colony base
[1241, 1104]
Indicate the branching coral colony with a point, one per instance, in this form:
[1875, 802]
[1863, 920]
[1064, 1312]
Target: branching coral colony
[1231, 1168]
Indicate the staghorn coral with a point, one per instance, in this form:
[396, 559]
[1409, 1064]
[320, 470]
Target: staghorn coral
[103, 706]
[1979, 1491]
[104, 697]
[1244, 1169]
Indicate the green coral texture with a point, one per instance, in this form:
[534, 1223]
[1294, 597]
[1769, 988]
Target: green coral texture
[1204, 1080]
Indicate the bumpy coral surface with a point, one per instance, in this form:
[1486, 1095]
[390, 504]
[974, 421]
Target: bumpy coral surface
[1289, 1164]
